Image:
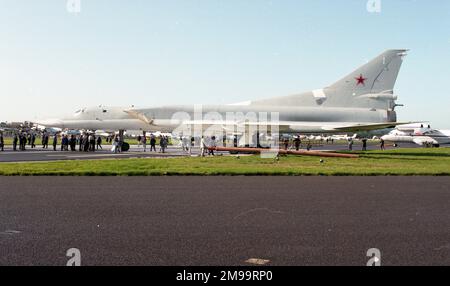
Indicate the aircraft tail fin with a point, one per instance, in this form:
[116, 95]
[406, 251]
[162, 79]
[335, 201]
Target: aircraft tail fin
[369, 86]
[376, 76]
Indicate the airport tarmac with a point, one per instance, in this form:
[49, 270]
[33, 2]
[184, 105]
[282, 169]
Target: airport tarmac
[224, 220]
[39, 154]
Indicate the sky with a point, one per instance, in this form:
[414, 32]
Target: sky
[55, 59]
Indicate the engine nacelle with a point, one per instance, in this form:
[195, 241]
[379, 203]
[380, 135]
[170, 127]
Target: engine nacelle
[380, 96]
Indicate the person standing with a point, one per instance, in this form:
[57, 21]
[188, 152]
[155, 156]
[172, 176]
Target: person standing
[181, 142]
[139, 140]
[350, 144]
[99, 142]
[20, 141]
[119, 143]
[44, 140]
[115, 147]
[382, 144]
[86, 143]
[55, 141]
[2, 142]
[203, 146]
[152, 143]
[166, 143]
[364, 144]
[33, 141]
[297, 142]
[23, 141]
[65, 143]
[72, 142]
[62, 142]
[186, 144]
[192, 145]
[286, 143]
[15, 140]
[92, 142]
[161, 144]
[212, 144]
[80, 142]
[26, 140]
[144, 142]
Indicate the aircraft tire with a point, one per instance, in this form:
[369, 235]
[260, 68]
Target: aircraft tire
[125, 147]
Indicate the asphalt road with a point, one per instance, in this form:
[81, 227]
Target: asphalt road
[39, 154]
[224, 220]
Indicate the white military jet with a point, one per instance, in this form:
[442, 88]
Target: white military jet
[423, 136]
[362, 100]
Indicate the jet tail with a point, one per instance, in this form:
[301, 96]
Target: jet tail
[375, 77]
[369, 86]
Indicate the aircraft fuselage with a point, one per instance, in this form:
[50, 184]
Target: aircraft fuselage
[165, 119]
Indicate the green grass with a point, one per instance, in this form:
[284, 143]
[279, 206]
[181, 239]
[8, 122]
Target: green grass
[418, 161]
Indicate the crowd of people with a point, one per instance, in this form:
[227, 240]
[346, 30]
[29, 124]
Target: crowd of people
[85, 142]
[89, 142]
[296, 143]
[20, 141]
[188, 143]
[163, 143]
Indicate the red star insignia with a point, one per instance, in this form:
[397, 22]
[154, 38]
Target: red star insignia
[360, 80]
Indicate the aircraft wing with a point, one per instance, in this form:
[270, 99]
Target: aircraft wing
[305, 127]
[366, 126]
